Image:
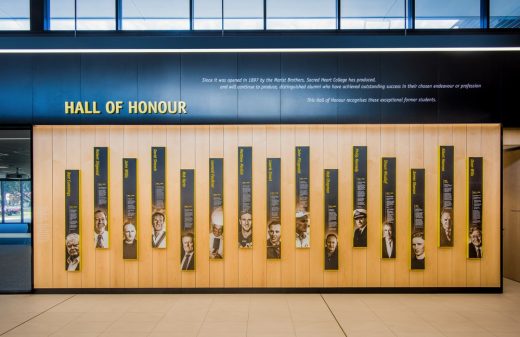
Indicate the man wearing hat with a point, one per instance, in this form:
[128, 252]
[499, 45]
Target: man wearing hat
[360, 224]
[216, 240]
[302, 229]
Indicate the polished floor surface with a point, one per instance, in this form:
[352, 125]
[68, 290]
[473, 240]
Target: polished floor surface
[475, 315]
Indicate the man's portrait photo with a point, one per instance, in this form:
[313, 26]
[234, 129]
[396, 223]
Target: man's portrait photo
[331, 252]
[360, 227]
[72, 250]
[274, 233]
[159, 230]
[417, 250]
[101, 229]
[446, 229]
[216, 238]
[188, 251]
[245, 230]
[475, 243]
[129, 241]
[303, 235]
[387, 243]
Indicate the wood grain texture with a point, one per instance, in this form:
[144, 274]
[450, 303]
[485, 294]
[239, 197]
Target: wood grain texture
[57, 148]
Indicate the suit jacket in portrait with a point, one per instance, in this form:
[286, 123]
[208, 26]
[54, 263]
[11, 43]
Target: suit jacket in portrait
[385, 252]
[444, 242]
[416, 263]
[331, 262]
[360, 237]
[190, 264]
[130, 250]
[472, 251]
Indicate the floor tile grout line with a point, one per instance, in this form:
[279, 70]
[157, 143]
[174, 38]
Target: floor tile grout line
[332, 313]
[206, 315]
[33, 317]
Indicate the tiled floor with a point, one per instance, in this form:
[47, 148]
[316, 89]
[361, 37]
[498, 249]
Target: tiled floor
[263, 315]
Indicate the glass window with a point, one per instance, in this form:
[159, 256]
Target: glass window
[447, 14]
[504, 14]
[15, 175]
[61, 14]
[207, 14]
[26, 201]
[14, 15]
[12, 201]
[243, 14]
[301, 14]
[156, 14]
[374, 14]
[91, 14]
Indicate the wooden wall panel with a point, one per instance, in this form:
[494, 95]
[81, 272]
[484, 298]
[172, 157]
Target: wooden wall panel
[144, 208]
[73, 162]
[102, 262]
[474, 146]
[288, 197]
[302, 255]
[43, 233]
[374, 206]
[359, 255]
[330, 161]
[188, 150]
[345, 196]
[231, 206]
[59, 152]
[417, 161]
[159, 256]
[461, 214]
[490, 270]
[444, 255]
[202, 205]
[403, 249]
[117, 267]
[131, 150]
[173, 210]
[216, 150]
[388, 149]
[273, 266]
[317, 249]
[431, 201]
[414, 146]
[256, 275]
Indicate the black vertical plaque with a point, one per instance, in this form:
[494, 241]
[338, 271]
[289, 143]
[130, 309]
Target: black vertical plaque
[303, 234]
[274, 226]
[158, 197]
[245, 197]
[187, 219]
[101, 237]
[475, 203]
[359, 160]
[72, 225]
[388, 241]
[446, 163]
[418, 237]
[331, 218]
[130, 246]
[216, 207]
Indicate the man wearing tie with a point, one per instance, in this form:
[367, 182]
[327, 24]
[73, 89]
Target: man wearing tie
[475, 244]
[100, 227]
[188, 255]
[360, 223]
[388, 243]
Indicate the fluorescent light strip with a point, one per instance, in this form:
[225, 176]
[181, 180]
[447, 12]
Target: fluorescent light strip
[253, 50]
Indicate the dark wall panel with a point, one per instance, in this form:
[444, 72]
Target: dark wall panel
[16, 89]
